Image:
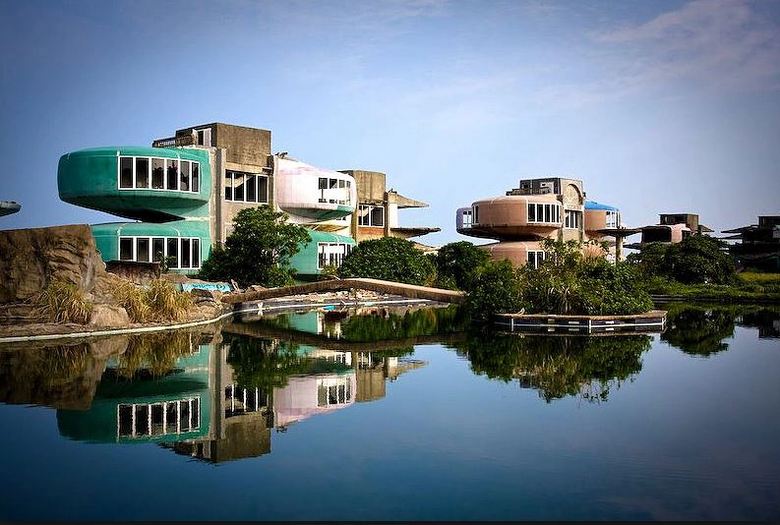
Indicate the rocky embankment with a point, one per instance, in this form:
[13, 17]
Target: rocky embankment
[31, 259]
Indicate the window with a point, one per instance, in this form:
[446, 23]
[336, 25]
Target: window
[369, 215]
[612, 220]
[155, 173]
[141, 172]
[183, 251]
[203, 137]
[172, 180]
[535, 258]
[246, 187]
[334, 191]
[475, 215]
[573, 219]
[466, 218]
[332, 253]
[549, 213]
[125, 172]
[157, 419]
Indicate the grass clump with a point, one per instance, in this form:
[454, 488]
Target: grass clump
[64, 302]
[165, 302]
[131, 298]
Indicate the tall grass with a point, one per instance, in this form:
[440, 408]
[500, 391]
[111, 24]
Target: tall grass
[131, 298]
[157, 301]
[64, 302]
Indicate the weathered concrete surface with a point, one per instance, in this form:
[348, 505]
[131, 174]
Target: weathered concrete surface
[375, 285]
[107, 315]
[29, 258]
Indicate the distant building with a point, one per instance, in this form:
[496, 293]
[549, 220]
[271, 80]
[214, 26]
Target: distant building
[185, 191]
[671, 228]
[759, 245]
[547, 208]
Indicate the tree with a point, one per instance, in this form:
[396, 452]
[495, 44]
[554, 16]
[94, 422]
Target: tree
[458, 263]
[697, 259]
[496, 289]
[258, 251]
[389, 259]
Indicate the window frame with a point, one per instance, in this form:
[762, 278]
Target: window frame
[195, 243]
[231, 176]
[150, 173]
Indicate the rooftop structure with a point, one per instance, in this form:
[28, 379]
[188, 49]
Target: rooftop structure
[671, 228]
[9, 207]
[183, 193]
[538, 209]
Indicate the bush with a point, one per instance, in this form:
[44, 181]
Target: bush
[258, 251]
[496, 288]
[165, 302]
[64, 302]
[130, 297]
[458, 263]
[389, 259]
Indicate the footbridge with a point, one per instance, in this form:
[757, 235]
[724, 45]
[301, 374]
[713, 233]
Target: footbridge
[338, 285]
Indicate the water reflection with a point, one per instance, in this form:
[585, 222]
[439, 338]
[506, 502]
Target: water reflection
[217, 395]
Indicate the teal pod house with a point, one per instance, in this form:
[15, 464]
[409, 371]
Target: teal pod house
[167, 189]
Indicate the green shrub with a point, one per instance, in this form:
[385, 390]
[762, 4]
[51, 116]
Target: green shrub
[64, 302]
[258, 251]
[458, 263]
[497, 288]
[698, 259]
[389, 259]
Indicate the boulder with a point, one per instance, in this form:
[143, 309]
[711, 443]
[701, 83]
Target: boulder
[30, 258]
[108, 316]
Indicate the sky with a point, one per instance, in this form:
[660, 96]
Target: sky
[662, 106]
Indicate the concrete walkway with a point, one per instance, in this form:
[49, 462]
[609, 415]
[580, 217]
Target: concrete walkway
[338, 285]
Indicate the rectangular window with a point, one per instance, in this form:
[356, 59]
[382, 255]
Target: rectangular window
[141, 172]
[126, 172]
[184, 175]
[238, 187]
[172, 251]
[532, 213]
[323, 183]
[251, 188]
[262, 189]
[186, 254]
[467, 219]
[228, 185]
[204, 137]
[158, 174]
[158, 249]
[125, 249]
[476, 214]
[196, 253]
[572, 219]
[172, 171]
[535, 258]
[196, 177]
[142, 249]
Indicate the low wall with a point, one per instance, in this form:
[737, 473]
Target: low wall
[337, 285]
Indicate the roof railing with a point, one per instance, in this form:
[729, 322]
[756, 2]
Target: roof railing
[174, 142]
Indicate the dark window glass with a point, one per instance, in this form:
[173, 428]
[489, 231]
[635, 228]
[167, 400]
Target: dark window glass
[125, 420]
[323, 183]
[262, 189]
[195, 177]
[173, 252]
[238, 187]
[158, 249]
[125, 249]
[378, 216]
[196, 253]
[251, 188]
[125, 172]
[186, 258]
[184, 175]
[158, 174]
[229, 186]
[184, 415]
[196, 413]
[531, 213]
[142, 420]
[142, 250]
[173, 174]
[141, 172]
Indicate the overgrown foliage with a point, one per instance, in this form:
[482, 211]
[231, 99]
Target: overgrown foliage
[389, 259]
[64, 302]
[697, 259]
[497, 288]
[258, 251]
[458, 263]
[157, 301]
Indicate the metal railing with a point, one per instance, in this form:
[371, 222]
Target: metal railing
[174, 142]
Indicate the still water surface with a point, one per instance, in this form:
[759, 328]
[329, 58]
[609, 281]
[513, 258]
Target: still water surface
[397, 414]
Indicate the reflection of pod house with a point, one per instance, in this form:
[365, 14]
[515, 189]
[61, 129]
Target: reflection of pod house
[173, 407]
[307, 396]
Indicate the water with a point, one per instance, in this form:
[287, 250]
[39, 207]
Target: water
[395, 415]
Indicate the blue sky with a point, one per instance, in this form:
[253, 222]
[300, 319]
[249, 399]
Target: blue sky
[660, 106]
